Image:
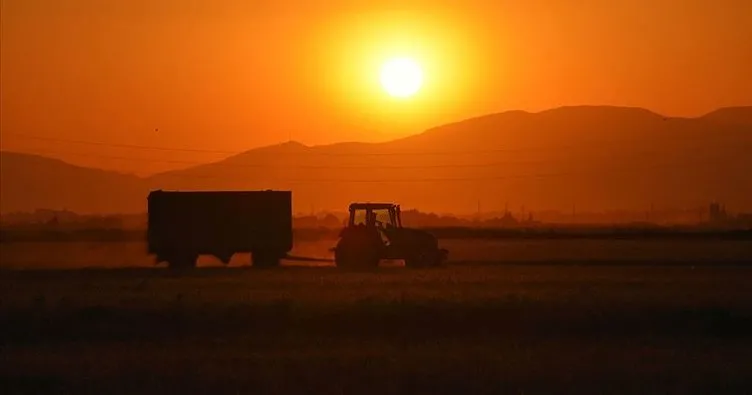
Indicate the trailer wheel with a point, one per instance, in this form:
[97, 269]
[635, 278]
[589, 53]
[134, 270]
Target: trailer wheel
[266, 259]
[182, 261]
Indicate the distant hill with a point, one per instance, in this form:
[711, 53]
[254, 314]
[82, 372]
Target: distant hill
[591, 157]
[29, 182]
[732, 115]
[571, 158]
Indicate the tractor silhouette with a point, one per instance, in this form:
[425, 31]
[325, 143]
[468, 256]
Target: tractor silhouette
[374, 232]
[182, 225]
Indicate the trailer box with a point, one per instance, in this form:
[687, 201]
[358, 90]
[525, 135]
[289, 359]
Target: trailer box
[185, 224]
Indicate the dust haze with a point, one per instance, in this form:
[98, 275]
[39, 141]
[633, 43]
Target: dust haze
[230, 197]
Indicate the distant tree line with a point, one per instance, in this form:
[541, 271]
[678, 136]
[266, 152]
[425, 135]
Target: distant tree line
[53, 225]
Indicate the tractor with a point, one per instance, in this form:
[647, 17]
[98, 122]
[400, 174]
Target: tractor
[185, 224]
[374, 232]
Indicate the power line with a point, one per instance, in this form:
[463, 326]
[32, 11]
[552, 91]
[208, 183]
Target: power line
[119, 145]
[335, 167]
[128, 158]
[294, 165]
[403, 180]
[310, 152]
[290, 164]
[449, 179]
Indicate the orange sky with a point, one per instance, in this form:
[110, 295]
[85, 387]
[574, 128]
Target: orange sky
[230, 75]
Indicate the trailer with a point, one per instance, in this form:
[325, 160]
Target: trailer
[185, 224]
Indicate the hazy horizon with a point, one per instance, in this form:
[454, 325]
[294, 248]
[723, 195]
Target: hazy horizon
[574, 182]
[203, 95]
[552, 160]
[226, 74]
[85, 159]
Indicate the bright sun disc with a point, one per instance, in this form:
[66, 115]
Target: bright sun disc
[401, 77]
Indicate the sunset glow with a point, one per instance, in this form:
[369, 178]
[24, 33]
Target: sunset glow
[401, 77]
[379, 196]
[230, 76]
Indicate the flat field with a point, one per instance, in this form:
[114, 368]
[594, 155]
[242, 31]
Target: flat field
[132, 254]
[501, 318]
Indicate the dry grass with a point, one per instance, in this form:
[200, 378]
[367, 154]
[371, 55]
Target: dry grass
[75, 255]
[475, 329]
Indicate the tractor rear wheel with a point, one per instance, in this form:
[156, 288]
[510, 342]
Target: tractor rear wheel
[423, 259]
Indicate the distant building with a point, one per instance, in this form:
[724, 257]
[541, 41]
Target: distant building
[745, 220]
[719, 217]
[717, 213]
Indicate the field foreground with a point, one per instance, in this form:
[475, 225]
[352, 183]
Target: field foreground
[458, 329]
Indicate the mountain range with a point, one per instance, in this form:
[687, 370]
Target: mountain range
[584, 157]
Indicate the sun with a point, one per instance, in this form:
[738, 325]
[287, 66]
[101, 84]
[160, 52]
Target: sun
[401, 77]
